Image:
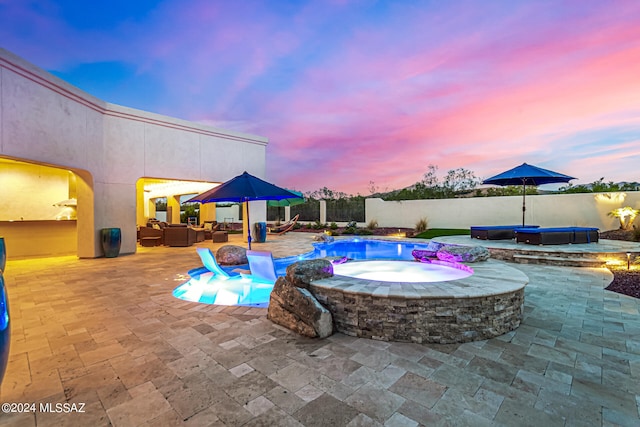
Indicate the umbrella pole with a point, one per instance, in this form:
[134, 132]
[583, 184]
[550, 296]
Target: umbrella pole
[248, 226]
[524, 193]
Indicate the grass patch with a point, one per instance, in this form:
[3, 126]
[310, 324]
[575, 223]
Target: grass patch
[437, 232]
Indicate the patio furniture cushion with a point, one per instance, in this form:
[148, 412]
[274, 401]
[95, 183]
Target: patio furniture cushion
[557, 235]
[496, 232]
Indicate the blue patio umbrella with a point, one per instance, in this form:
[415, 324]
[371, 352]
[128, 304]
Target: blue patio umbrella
[244, 188]
[527, 175]
[287, 202]
[299, 199]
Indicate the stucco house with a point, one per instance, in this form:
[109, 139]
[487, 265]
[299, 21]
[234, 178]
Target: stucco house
[59, 143]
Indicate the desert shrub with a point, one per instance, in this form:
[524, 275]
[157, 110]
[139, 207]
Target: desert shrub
[636, 234]
[333, 226]
[372, 225]
[626, 216]
[422, 225]
[349, 231]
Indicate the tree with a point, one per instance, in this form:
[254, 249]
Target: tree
[459, 181]
[326, 194]
[456, 181]
[599, 186]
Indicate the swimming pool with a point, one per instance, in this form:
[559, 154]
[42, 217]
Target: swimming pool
[208, 289]
[461, 304]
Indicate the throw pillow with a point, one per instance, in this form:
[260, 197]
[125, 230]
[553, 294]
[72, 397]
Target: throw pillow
[156, 226]
[208, 226]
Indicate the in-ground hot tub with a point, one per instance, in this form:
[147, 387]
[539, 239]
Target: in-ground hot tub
[479, 306]
[409, 271]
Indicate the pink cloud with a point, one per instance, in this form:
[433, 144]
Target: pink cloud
[349, 93]
[513, 119]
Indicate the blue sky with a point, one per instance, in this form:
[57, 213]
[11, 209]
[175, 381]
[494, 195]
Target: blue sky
[350, 92]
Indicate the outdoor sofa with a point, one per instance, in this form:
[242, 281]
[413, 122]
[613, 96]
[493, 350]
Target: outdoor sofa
[179, 235]
[557, 235]
[152, 235]
[496, 232]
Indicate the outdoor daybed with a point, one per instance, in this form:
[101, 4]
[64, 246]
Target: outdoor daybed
[557, 235]
[496, 232]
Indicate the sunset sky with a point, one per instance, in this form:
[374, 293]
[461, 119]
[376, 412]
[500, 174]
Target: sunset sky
[349, 92]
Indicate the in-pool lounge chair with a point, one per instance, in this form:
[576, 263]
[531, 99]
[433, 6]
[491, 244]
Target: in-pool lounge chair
[210, 265]
[283, 228]
[262, 267]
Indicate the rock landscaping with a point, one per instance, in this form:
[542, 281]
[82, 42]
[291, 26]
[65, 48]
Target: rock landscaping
[294, 307]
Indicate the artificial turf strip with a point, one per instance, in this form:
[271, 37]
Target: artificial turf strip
[436, 232]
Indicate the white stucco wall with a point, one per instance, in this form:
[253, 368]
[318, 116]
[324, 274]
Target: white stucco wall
[45, 120]
[553, 210]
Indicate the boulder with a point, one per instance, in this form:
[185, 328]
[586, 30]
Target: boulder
[422, 254]
[463, 253]
[323, 237]
[231, 255]
[301, 273]
[295, 307]
[430, 251]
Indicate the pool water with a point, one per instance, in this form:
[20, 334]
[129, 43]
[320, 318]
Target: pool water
[209, 289]
[401, 271]
[353, 249]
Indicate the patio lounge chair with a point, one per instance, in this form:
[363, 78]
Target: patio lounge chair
[287, 226]
[261, 266]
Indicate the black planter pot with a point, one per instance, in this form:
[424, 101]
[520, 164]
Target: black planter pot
[111, 240]
[5, 328]
[260, 232]
[3, 255]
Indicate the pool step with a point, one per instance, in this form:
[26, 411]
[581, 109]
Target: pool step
[557, 260]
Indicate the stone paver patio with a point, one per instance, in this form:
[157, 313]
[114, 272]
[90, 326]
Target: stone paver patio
[108, 334]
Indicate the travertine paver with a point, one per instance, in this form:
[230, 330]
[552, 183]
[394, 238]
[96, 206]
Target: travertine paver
[108, 333]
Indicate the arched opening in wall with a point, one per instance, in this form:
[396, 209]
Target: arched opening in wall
[39, 215]
[163, 199]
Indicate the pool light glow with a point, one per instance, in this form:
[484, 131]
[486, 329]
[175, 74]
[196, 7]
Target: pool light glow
[401, 271]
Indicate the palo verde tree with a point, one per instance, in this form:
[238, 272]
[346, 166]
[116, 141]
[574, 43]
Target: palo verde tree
[456, 182]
